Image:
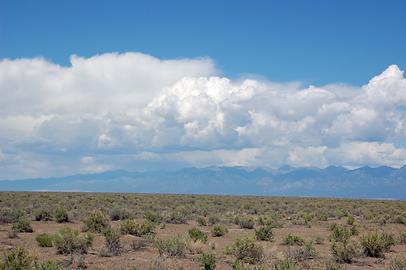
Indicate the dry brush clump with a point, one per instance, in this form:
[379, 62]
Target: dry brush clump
[219, 230]
[293, 240]
[245, 222]
[112, 244]
[22, 225]
[246, 250]
[171, 247]
[207, 261]
[301, 253]
[264, 233]
[20, 258]
[68, 241]
[61, 215]
[135, 228]
[197, 235]
[44, 240]
[43, 215]
[376, 244]
[119, 214]
[10, 215]
[96, 222]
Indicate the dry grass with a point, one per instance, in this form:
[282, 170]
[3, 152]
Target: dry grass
[174, 216]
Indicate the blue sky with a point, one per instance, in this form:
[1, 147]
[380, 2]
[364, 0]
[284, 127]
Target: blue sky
[315, 42]
[90, 86]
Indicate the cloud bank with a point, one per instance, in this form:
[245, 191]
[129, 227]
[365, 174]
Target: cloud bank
[135, 111]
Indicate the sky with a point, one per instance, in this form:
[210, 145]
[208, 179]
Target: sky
[89, 86]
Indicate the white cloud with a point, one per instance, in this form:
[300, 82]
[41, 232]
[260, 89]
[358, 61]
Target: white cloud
[372, 153]
[133, 104]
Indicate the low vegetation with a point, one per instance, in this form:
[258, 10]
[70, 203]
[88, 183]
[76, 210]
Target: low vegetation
[207, 261]
[22, 225]
[68, 241]
[96, 222]
[171, 247]
[112, 246]
[61, 215]
[219, 230]
[293, 240]
[145, 231]
[246, 250]
[376, 244]
[264, 233]
[197, 235]
[44, 240]
[135, 228]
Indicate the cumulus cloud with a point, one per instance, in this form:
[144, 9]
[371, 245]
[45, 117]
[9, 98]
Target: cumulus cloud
[146, 110]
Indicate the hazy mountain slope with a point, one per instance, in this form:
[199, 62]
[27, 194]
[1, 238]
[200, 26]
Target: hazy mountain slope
[365, 182]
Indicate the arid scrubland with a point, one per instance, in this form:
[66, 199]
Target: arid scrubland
[41, 230]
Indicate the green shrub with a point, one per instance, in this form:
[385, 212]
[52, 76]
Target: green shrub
[354, 230]
[374, 244]
[47, 265]
[246, 250]
[8, 215]
[153, 217]
[285, 264]
[343, 252]
[272, 221]
[61, 215]
[22, 225]
[97, 222]
[119, 214]
[44, 240]
[69, 241]
[264, 233]
[195, 234]
[112, 242]
[219, 230]
[339, 233]
[350, 220]
[293, 240]
[246, 223]
[305, 252]
[389, 241]
[171, 247]
[176, 217]
[146, 229]
[401, 219]
[43, 215]
[17, 259]
[213, 220]
[397, 264]
[130, 226]
[207, 261]
[201, 221]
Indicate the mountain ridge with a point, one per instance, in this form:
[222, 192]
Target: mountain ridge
[333, 181]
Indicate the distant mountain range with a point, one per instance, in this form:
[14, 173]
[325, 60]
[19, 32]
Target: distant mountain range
[365, 182]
